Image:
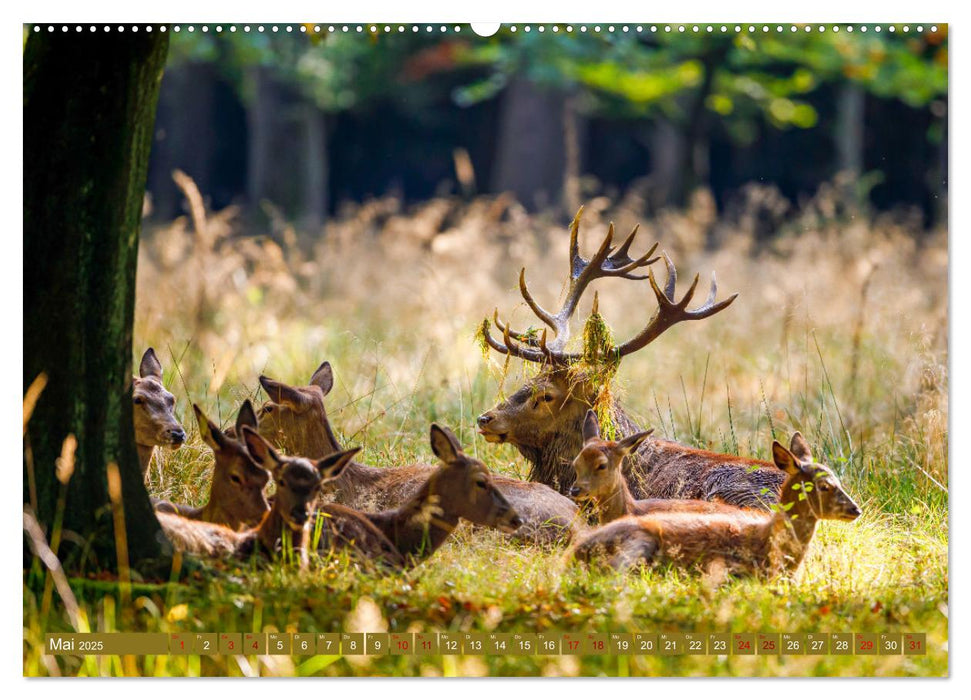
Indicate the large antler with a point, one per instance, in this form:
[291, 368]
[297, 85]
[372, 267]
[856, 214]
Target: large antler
[607, 262]
[670, 312]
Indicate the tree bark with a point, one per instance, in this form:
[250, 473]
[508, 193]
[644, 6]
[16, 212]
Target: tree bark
[849, 130]
[89, 112]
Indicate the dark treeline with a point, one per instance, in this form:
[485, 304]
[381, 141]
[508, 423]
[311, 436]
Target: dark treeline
[304, 123]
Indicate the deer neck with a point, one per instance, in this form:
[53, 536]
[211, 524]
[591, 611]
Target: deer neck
[145, 453]
[270, 531]
[617, 504]
[790, 534]
[420, 526]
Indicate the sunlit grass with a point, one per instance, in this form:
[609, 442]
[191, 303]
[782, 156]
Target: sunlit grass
[394, 307]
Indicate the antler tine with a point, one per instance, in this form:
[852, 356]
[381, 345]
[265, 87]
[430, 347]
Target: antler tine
[544, 315]
[671, 310]
[503, 327]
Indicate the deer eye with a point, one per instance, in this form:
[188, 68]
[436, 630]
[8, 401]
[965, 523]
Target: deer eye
[281, 483]
[235, 479]
[824, 486]
[138, 400]
[547, 397]
[481, 483]
[601, 467]
[268, 409]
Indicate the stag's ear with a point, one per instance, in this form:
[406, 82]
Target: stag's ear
[784, 459]
[444, 443]
[284, 394]
[324, 378]
[246, 416]
[631, 443]
[591, 427]
[260, 450]
[800, 448]
[209, 431]
[150, 366]
[331, 466]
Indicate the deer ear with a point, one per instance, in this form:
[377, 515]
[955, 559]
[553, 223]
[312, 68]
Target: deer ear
[209, 431]
[800, 448]
[631, 443]
[591, 427]
[324, 378]
[259, 449]
[331, 466]
[784, 459]
[284, 393]
[246, 416]
[150, 366]
[444, 443]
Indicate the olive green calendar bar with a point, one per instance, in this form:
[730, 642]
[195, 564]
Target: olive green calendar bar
[490, 643]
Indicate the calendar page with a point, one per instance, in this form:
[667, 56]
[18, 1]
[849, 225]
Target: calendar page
[516, 349]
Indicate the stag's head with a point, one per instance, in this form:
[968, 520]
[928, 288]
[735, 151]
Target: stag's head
[568, 383]
[154, 407]
[811, 486]
[236, 495]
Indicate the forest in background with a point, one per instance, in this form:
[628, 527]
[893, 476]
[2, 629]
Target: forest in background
[553, 117]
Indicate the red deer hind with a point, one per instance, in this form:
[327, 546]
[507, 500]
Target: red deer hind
[544, 418]
[295, 418]
[747, 541]
[153, 411]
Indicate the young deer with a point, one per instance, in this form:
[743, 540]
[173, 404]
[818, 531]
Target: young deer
[298, 481]
[599, 480]
[461, 487]
[295, 417]
[236, 492]
[745, 542]
[152, 411]
[544, 418]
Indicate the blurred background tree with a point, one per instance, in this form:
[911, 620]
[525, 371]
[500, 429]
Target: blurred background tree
[301, 123]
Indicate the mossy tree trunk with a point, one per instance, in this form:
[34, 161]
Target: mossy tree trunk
[89, 111]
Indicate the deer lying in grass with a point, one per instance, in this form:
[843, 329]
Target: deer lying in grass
[461, 487]
[544, 418]
[745, 542]
[600, 482]
[298, 484]
[295, 417]
[153, 411]
[236, 492]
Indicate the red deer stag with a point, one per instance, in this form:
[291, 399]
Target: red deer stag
[748, 542]
[543, 419]
[600, 483]
[236, 493]
[153, 411]
[295, 418]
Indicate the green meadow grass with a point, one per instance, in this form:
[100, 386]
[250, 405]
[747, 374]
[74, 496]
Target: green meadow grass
[862, 374]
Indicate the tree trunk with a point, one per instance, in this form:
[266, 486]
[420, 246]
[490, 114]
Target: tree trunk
[89, 112]
[260, 121]
[572, 168]
[849, 130]
[530, 161]
[315, 168]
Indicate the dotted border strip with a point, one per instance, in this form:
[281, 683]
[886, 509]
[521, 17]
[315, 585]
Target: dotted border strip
[513, 28]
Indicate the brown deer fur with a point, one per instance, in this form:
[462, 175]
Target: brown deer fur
[745, 542]
[461, 487]
[298, 482]
[600, 482]
[236, 491]
[153, 411]
[295, 416]
[544, 421]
